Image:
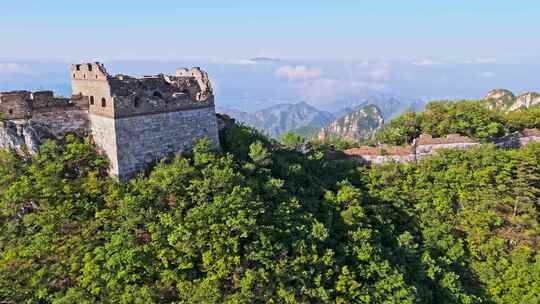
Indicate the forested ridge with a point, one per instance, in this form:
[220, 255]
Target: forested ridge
[471, 118]
[260, 222]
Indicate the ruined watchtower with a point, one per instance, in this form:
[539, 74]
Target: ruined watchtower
[137, 120]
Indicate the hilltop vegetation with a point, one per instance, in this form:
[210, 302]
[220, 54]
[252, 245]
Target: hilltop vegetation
[469, 117]
[261, 223]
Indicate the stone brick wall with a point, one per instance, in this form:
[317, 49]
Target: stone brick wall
[382, 154]
[104, 135]
[133, 120]
[60, 120]
[426, 150]
[138, 120]
[42, 99]
[15, 105]
[145, 139]
[381, 159]
[90, 80]
[205, 87]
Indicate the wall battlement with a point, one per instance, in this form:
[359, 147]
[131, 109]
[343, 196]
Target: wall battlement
[133, 120]
[125, 96]
[25, 104]
[426, 146]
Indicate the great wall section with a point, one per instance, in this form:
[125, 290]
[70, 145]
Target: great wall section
[134, 121]
[425, 146]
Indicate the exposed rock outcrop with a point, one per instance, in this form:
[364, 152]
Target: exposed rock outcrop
[500, 94]
[24, 137]
[525, 100]
[357, 125]
[505, 100]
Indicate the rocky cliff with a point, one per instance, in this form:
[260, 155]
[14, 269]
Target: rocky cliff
[358, 125]
[23, 138]
[526, 100]
[505, 100]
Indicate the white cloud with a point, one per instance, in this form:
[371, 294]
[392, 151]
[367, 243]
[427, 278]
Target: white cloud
[363, 64]
[380, 74]
[318, 88]
[11, 68]
[299, 72]
[426, 62]
[486, 60]
[488, 75]
[322, 91]
[481, 60]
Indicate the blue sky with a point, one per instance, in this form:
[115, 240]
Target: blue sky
[328, 51]
[346, 30]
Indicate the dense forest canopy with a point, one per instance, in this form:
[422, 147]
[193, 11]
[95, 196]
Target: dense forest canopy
[259, 222]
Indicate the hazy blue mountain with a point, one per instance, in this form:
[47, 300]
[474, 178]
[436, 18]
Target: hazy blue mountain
[389, 106]
[278, 119]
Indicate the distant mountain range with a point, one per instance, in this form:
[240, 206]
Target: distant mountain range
[278, 119]
[390, 106]
[307, 120]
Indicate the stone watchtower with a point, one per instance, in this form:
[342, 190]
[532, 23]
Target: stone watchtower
[138, 120]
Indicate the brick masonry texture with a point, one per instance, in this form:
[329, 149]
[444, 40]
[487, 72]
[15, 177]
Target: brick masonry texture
[146, 139]
[426, 146]
[134, 121]
[63, 119]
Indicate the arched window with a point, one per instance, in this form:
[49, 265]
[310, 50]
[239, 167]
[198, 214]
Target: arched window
[78, 67]
[103, 102]
[92, 100]
[89, 67]
[157, 94]
[10, 111]
[136, 102]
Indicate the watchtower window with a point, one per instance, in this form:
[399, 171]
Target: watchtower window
[136, 102]
[90, 67]
[92, 100]
[103, 102]
[157, 94]
[78, 67]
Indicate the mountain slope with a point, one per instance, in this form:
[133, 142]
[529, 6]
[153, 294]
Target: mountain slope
[282, 118]
[357, 125]
[505, 100]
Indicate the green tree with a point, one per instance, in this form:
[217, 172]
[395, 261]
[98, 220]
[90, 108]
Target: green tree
[292, 140]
